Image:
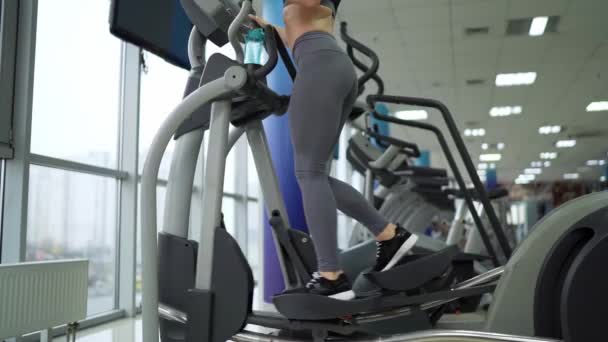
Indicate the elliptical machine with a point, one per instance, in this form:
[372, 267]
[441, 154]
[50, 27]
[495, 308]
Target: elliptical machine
[550, 287]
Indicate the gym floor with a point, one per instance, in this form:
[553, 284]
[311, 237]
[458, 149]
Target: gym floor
[128, 329]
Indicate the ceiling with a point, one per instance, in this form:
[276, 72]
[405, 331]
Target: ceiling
[424, 52]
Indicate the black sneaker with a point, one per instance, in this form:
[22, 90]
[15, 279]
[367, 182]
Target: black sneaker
[337, 289]
[389, 252]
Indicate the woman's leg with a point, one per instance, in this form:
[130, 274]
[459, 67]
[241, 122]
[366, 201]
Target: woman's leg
[315, 115]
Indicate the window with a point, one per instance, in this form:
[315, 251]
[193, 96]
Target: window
[255, 229]
[76, 83]
[73, 215]
[162, 88]
[229, 211]
[253, 182]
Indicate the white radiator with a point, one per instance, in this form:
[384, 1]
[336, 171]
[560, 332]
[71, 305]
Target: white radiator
[36, 296]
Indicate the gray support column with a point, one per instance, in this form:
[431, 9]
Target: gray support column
[178, 199]
[17, 170]
[271, 192]
[213, 189]
[129, 151]
[241, 208]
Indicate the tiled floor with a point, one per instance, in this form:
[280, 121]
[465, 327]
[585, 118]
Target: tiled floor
[124, 330]
[129, 329]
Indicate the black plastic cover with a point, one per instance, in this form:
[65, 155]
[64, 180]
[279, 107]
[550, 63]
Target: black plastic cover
[215, 68]
[176, 272]
[232, 287]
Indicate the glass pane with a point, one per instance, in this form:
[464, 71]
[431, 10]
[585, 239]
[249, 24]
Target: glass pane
[253, 182]
[161, 191]
[73, 215]
[254, 236]
[76, 83]
[228, 209]
[231, 171]
[162, 88]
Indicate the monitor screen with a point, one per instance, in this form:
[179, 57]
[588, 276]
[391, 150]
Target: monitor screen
[159, 26]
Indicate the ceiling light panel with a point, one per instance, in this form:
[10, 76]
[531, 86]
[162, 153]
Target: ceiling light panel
[571, 176]
[474, 132]
[414, 115]
[548, 155]
[555, 129]
[598, 106]
[515, 79]
[565, 143]
[490, 157]
[503, 111]
[538, 26]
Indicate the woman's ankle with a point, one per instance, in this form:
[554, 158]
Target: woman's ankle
[387, 233]
[331, 275]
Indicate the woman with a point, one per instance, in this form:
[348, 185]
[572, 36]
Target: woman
[323, 96]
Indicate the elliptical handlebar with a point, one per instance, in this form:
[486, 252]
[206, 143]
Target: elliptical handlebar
[271, 49]
[361, 66]
[234, 29]
[352, 43]
[464, 155]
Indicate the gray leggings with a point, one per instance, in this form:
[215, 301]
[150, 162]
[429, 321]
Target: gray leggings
[323, 96]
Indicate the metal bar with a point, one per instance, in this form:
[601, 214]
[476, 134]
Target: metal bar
[233, 29]
[172, 314]
[89, 322]
[68, 165]
[423, 336]
[457, 175]
[386, 158]
[213, 186]
[465, 156]
[368, 192]
[196, 49]
[178, 199]
[234, 78]
[129, 153]
[18, 170]
[457, 227]
[271, 192]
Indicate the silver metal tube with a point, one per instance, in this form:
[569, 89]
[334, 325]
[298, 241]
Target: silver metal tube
[474, 243]
[455, 233]
[234, 78]
[271, 192]
[172, 314]
[368, 191]
[386, 158]
[484, 278]
[421, 336]
[233, 30]
[213, 189]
